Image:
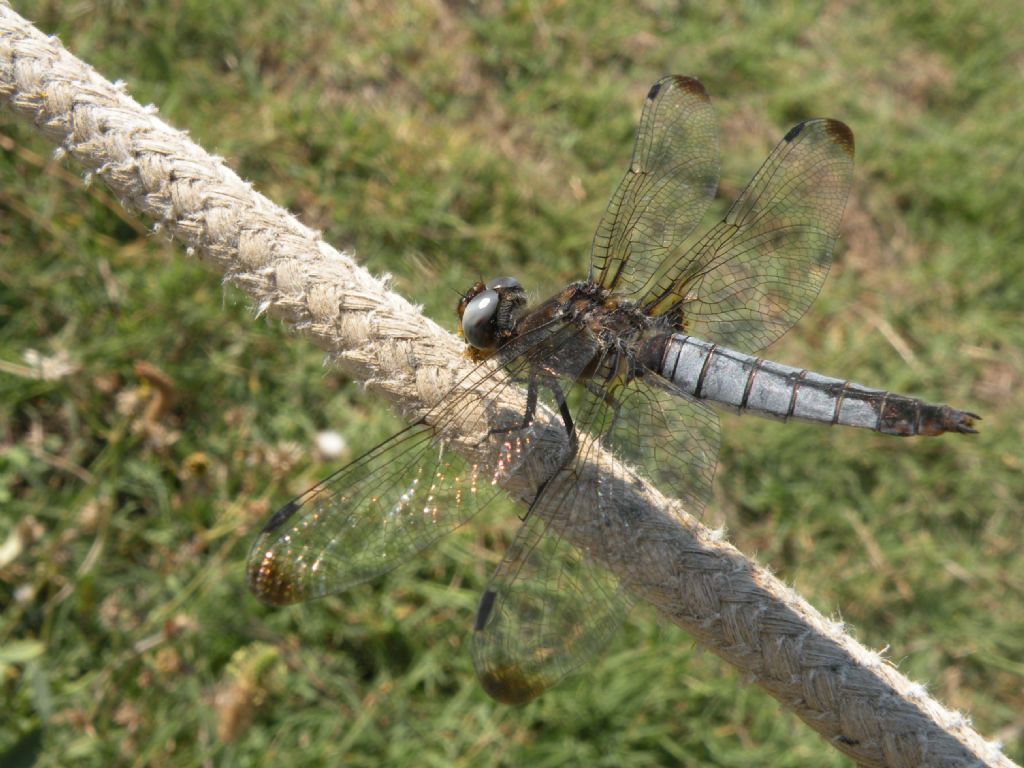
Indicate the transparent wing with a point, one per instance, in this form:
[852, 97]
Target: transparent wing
[667, 189]
[550, 606]
[399, 498]
[750, 278]
[366, 519]
[671, 437]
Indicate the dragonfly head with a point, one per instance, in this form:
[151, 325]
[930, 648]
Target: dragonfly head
[487, 313]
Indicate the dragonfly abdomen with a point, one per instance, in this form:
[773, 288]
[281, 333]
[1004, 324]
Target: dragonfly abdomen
[747, 383]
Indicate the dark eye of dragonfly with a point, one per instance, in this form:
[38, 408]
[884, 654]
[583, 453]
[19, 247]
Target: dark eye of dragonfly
[478, 324]
[486, 310]
[504, 284]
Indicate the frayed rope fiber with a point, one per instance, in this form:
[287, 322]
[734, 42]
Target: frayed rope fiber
[730, 604]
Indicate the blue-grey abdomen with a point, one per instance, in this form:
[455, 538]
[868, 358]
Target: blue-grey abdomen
[747, 383]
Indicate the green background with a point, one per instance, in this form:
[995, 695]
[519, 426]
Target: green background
[443, 142]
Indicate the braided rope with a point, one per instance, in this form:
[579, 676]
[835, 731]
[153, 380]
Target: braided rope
[730, 604]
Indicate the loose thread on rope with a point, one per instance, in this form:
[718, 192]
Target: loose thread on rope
[729, 603]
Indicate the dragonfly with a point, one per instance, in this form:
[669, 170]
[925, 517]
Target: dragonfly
[626, 369]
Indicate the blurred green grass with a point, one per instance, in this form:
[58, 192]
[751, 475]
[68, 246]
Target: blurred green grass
[443, 143]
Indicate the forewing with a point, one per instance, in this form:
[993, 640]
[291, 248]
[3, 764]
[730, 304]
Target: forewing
[399, 498]
[670, 182]
[366, 519]
[747, 281]
[550, 607]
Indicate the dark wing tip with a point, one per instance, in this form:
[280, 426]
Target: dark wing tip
[511, 685]
[685, 83]
[273, 580]
[838, 131]
[690, 85]
[841, 134]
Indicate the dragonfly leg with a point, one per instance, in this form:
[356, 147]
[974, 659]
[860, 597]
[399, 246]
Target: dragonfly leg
[563, 410]
[528, 413]
[570, 431]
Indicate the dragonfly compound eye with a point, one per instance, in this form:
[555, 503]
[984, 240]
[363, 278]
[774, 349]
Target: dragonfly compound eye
[478, 324]
[504, 283]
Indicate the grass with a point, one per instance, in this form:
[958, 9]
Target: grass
[443, 143]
